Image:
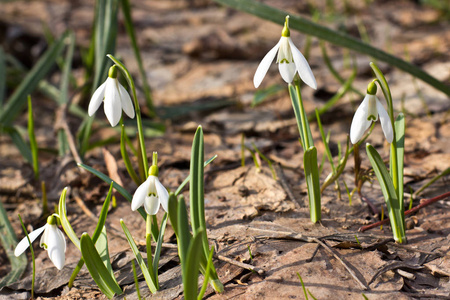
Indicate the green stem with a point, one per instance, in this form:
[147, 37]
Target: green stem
[137, 109]
[148, 240]
[302, 115]
[32, 257]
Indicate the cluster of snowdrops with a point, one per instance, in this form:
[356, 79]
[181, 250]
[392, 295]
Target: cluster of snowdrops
[193, 248]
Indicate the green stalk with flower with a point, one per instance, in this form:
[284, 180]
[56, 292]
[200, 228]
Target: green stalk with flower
[293, 67]
[394, 130]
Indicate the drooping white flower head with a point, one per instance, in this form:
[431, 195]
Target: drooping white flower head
[115, 98]
[290, 61]
[151, 193]
[368, 111]
[52, 240]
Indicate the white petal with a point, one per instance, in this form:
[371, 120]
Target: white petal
[264, 65]
[23, 244]
[302, 66]
[127, 105]
[360, 122]
[151, 205]
[385, 121]
[287, 71]
[163, 195]
[112, 105]
[139, 195]
[97, 99]
[56, 246]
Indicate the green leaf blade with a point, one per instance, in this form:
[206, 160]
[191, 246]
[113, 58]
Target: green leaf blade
[102, 277]
[396, 216]
[313, 184]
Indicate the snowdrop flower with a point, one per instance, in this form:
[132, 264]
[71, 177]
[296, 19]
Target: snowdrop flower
[367, 112]
[52, 240]
[151, 193]
[115, 97]
[290, 61]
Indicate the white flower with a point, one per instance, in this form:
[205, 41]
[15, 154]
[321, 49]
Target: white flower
[150, 193]
[367, 112]
[290, 60]
[52, 240]
[116, 99]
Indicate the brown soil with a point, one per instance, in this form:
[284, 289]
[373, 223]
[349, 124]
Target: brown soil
[198, 54]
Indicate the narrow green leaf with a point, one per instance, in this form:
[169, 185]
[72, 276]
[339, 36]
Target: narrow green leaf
[395, 211]
[103, 213]
[263, 94]
[102, 248]
[126, 10]
[184, 236]
[33, 278]
[102, 277]
[191, 266]
[173, 212]
[8, 241]
[117, 186]
[209, 267]
[159, 242]
[126, 158]
[312, 181]
[32, 138]
[136, 282]
[29, 83]
[336, 37]
[196, 188]
[2, 76]
[62, 211]
[105, 34]
[303, 286]
[148, 274]
[400, 140]
[185, 181]
[20, 143]
[340, 93]
[63, 144]
[333, 71]
[66, 72]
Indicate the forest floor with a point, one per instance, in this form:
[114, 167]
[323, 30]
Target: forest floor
[200, 59]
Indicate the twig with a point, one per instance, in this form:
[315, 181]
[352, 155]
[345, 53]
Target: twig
[282, 179]
[259, 271]
[394, 266]
[352, 273]
[84, 208]
[61, 123]
[424, 202]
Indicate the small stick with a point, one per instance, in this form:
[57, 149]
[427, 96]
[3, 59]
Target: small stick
[84, 208]
[61, 123]
[240, 264]
[352, 273]
[284, 184]
[424, 203]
